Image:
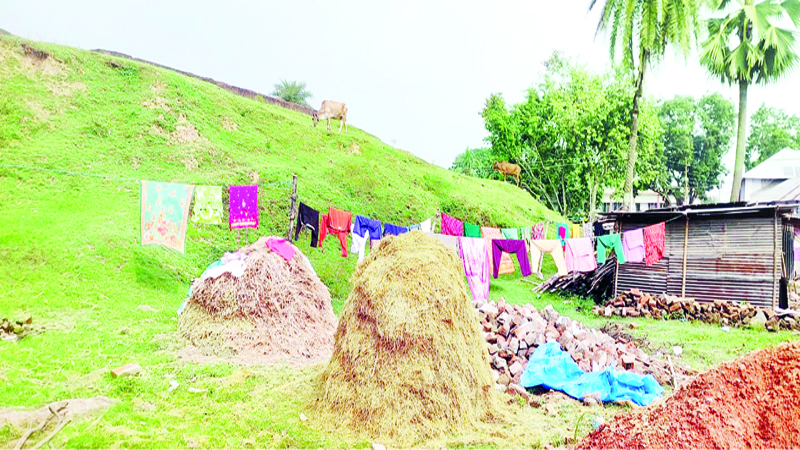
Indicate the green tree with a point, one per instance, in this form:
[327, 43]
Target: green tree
[476, 162]
[697, 134]
[746, 44]
[643, 29]
[292, 91]
[773, 130]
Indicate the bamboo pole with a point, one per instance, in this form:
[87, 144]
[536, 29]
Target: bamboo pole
[292, 212]
[775, 260]
[685, 255]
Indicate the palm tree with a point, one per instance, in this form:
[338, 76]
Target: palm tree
[645, 28]
[292, 91]
[745, 45]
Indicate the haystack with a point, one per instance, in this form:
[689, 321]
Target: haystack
[277, 310]
[409, 363]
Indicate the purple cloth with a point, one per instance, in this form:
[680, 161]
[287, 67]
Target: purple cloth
[362, 225]
[580, 255]
[633, 245]
[243, 207]
[452, 226]
[475, 254]
[281, 247]
[510, 246]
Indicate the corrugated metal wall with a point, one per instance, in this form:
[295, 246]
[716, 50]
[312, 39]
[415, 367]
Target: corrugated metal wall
[729, 258]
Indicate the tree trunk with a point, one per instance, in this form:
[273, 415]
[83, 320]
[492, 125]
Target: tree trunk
[627, 191]
[741, 128]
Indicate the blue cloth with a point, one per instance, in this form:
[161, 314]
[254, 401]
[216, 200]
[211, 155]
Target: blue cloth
[553, 368]
[365, 224]
[393, 229]
[413, 227]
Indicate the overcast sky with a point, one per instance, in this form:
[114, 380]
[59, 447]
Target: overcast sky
[414, 73]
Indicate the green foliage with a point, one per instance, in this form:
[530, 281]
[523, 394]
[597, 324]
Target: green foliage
[476, 162]
[772, 130]
[570, 134]
[697, 134]
[292, 91]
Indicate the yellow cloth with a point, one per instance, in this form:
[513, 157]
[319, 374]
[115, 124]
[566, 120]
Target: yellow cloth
[575, 231]
[506, 264]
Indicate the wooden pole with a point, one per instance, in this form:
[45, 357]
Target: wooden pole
[541, 254]
[292, 212]
[616, 268]
[775, 283]
[685, 255]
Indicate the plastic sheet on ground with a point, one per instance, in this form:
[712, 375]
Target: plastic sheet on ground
[553, 368]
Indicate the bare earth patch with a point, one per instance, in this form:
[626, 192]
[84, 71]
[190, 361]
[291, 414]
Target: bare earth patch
[69, 409]
[228, 124]
[157, 103]
[185, 132]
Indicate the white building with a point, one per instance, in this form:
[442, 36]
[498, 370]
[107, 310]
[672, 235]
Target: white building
[643, 201]
[772, 180]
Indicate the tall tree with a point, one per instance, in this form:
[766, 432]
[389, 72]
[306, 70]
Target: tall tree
[476, 162]
[746, 43]
[643, 29]
[292, 91]
[773, 130]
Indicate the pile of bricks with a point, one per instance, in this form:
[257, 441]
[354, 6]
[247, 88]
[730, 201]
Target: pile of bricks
[513, 332]
[638, 304]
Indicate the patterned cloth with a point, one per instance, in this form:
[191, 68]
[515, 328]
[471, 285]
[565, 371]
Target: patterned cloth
[207, 205]
[243, 207]
[538, 232]
[164, 214]
[654, 239]
[452, 226]
[562, 233]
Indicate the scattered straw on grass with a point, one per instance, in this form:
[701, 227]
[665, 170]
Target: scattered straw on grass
[276, 309]
[409, 363]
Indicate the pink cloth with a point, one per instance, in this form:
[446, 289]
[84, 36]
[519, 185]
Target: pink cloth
[243, 207]
[580, 255]
[281, 247]
[633, 246]
[452, 226]
[475, 254]
[538, 232]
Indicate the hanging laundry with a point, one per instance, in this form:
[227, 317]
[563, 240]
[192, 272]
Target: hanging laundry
[339, 223]
[363, 225]
[579, 255]
[526, 233]
[471, 230]
[575, 231]
[426, 226]
[207, 205]
[307, 217]
[243, 207]
[562, 231]
[588, 230]
[506, 265]
[446, 240]
[654, 238]
[475, 254]
[413, 227]
[510, 233]
[609, 241]
[553, 247]
[633, 245]
[323, 229]
[281, 247]
[164, 213]
[517, 246]
[538, 232]
[359, 241]
[452, 226]
[393, 230]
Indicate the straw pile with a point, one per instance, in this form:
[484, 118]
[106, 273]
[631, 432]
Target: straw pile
[409, 362]
[275, 310]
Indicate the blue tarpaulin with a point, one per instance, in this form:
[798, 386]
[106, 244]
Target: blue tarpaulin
[553, 368]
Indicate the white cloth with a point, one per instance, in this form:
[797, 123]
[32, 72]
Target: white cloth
[235, 267]
[359, 245]
[426, 226]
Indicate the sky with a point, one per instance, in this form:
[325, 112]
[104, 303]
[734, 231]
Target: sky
[415, 73]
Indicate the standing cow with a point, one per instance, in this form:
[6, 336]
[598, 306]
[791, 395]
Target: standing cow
[331, 110]
[507, 168]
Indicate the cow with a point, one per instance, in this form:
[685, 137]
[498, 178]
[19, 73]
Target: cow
[507, 168]
[331, 110]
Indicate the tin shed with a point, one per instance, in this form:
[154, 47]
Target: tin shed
[730, 252]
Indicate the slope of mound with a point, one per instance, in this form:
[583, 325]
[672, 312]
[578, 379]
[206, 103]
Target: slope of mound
[71, 110]
[409, 362]
[751, 402]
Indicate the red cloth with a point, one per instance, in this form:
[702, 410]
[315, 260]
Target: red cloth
[339, 224]
[654, 238]
[323, 228]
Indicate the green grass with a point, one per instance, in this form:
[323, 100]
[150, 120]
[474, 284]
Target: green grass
[69, 252]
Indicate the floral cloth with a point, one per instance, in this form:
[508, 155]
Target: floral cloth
[164, 213]
[207, 205]
[244, 206]
[654, 239]
[538, 232]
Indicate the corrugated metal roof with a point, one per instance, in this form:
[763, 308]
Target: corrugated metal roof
[789, 190]
[781, 165]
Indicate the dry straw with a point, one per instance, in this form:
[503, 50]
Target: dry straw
[409, 363]
[276, 309]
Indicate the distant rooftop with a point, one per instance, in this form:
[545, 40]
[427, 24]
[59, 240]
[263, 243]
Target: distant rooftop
[782, 165]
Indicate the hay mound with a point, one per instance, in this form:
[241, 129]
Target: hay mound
[751, 402]
[277, 310]
[409, 362]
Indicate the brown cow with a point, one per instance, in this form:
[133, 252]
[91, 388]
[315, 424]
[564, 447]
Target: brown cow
[331, 110]
[508, 169]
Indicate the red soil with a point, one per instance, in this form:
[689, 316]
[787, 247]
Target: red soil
[752, 402]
